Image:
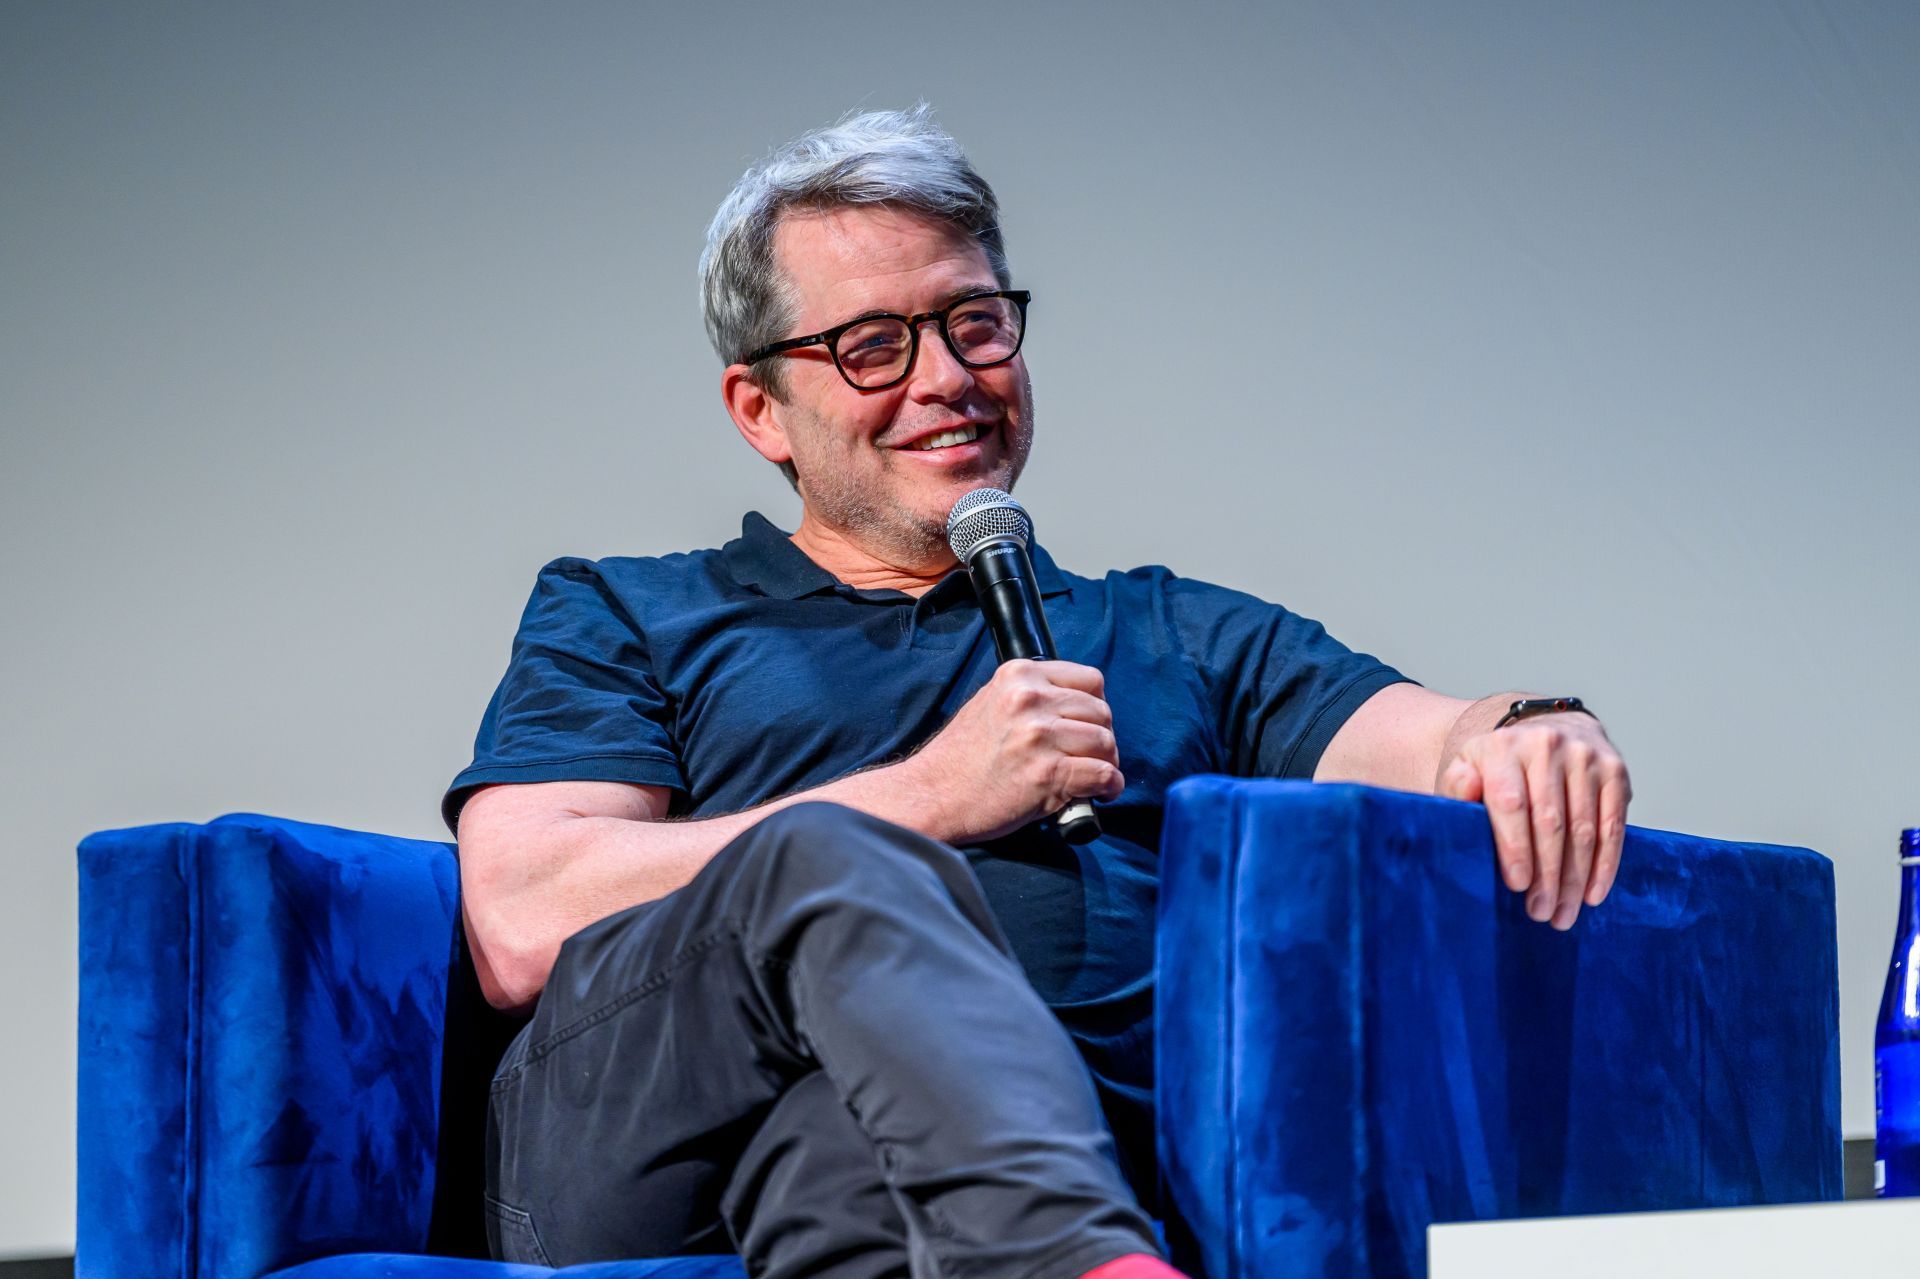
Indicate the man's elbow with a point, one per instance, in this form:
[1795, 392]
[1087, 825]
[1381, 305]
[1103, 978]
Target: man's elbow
[511, 961]
[528, 879]
[511, 940]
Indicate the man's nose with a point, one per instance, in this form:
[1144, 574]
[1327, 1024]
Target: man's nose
[937, 374]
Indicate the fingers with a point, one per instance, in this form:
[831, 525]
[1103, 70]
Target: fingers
[1061, 688]
[1061, 674]
[1060, 727]
[1092, 778]
[1078, 738]
[1576, 798]
[1084, 762]
[1556, 795]
[1514, 840]
[1547, 801]
[1504, 791]
[1084, 707]
[1583, 830]
[1615, 790]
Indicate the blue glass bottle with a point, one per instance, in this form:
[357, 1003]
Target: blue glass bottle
[1896, 1043]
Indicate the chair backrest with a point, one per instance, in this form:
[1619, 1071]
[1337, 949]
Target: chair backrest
[280, 1047]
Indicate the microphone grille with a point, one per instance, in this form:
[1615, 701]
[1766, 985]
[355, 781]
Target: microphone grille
[986, 515]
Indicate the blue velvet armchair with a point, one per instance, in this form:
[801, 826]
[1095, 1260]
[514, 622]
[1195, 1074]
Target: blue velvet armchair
[284, 1056]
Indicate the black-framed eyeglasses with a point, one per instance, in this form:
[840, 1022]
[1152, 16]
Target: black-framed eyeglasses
[876, 351]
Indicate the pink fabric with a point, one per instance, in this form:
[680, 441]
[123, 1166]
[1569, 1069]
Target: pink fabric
[1135, 1265]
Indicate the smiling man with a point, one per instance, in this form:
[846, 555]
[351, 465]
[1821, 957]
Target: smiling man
[754, 834]
[886, 464]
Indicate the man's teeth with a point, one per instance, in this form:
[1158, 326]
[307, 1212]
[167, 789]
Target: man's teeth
[942, 440]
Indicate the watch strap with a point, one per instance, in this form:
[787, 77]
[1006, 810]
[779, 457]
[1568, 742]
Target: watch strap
[1528, 707]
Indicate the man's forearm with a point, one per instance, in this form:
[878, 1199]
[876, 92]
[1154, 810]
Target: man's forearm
[632, 862]
[551, 873]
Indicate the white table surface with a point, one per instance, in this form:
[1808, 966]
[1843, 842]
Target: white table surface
[1861, 1237]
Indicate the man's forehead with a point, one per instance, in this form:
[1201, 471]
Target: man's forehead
[847, 259]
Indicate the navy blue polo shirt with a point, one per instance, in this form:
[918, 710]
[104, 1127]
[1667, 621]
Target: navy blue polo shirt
[737, 675]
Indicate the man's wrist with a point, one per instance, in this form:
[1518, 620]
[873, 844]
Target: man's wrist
[1485, 716]
[915, 794]
[1479, 717]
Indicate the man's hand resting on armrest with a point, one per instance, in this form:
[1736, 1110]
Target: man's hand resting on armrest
[539, 861]
[1555, 789]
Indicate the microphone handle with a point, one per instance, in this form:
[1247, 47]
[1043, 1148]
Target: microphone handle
[1003, 580]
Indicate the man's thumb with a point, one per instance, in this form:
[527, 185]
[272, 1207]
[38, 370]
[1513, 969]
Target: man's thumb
[1461, 780]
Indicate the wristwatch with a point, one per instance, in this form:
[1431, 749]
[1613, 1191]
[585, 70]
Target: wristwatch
[1528, 707]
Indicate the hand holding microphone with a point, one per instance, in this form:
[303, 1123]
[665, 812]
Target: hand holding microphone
[1038, 739]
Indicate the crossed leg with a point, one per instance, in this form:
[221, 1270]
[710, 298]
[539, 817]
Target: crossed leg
[825, 1024]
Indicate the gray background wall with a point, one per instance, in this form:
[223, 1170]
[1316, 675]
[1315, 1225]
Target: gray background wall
[1570, 347]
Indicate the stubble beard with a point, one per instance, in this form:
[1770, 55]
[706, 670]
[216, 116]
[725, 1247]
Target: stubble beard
[874, 517]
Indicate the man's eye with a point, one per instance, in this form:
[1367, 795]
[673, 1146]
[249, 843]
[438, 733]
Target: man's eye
[977, 327]
[868, 347]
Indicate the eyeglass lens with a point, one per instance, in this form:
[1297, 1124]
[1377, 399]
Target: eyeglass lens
[982, 331]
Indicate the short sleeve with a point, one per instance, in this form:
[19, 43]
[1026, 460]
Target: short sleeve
[1280, 686]
[578, 701]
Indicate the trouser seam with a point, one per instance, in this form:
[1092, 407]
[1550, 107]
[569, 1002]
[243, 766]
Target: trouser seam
[652, 984]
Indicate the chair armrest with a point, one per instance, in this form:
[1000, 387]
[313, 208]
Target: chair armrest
[261, 1005]
[1360, 1032]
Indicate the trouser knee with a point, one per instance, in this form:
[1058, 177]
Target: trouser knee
[852, 855]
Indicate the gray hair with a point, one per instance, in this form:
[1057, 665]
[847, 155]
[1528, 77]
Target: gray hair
[881, 157]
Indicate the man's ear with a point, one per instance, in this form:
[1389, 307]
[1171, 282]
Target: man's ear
[756, 413]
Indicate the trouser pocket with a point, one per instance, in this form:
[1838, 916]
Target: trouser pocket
[511, 1236]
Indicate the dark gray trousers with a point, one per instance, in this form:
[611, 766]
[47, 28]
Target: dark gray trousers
[820, 1052]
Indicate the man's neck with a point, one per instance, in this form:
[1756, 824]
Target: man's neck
[863, 569]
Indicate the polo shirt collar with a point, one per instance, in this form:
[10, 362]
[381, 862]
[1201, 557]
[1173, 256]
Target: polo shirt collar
[764, 557]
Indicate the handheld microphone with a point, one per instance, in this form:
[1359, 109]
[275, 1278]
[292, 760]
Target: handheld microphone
[989, 533]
